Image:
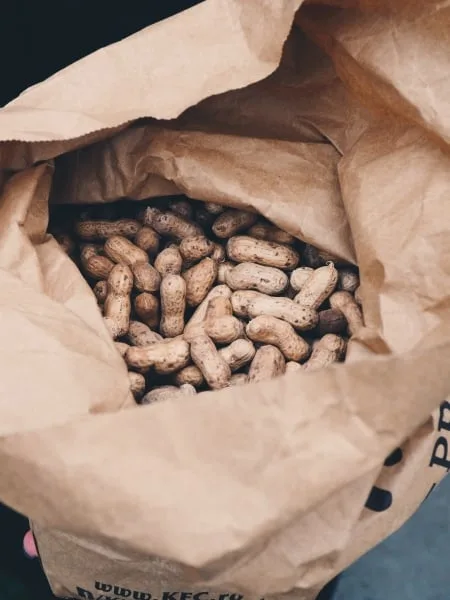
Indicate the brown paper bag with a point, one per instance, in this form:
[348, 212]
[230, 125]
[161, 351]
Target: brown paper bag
[270, 489]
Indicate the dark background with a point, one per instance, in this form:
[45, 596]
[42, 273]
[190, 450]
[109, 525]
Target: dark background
[41, 37]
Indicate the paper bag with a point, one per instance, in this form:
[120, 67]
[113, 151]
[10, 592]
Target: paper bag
[271, 489]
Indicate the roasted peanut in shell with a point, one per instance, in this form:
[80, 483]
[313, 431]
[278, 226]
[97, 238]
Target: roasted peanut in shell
[327, 350]
[165, 357]
[215, 370]
[171, 224]
[244, 248]
[268, 363]
[300, 317]
[117, 306]
[318, 287]
[199, 280]
[146, 307]
[120, 250]
[173, 305]
[233, 221]
[270, 330]
[250, 276]
[102, 230]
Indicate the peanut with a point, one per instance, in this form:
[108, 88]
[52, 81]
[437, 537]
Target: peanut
[318, 287]
[166, 392]
[300, 317]
[243, 248]
[169, 261]
[87, 251]
[315, 344]
[137, 384]
[199, 280]
[218, 253]
[300, 276]
[212, 365]
[200, 313]
[240, 301]
[98, 267]
[250, 276]
[220, 306]
[271, 233]
[195, 248]
[183, 208]
[238, 353]
[146, 277]
[224, 330]
[213, 208]
[100, 290]
[222, 271]
[345, 302]
[331, 321]
[188, 390]
[120, 281]
[348, 280]
[232, 221]
[238, 379]
[326, 351]
[177, 337]
[173, 304]
[158, 394]
[312, 258]
[139, 334]
[357, 296]
[190, 374]
[146, 307]
[148, 240]
[166, 357]
[117, 306]
[315, 258]
[102, 230]
[267, 364]
[171, 224]
[219, 324]
[270, 330]
[122, 251]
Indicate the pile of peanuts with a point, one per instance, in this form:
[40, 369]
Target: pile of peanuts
[198, 296]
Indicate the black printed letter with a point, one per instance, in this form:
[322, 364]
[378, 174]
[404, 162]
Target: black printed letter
[122, 592]
[85, 593]
[443, 424]
[437, 460]
[103, 587]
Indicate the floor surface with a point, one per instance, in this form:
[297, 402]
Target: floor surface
[413, 564]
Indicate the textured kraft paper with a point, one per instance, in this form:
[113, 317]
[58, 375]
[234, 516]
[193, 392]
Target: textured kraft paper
[271, 489]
